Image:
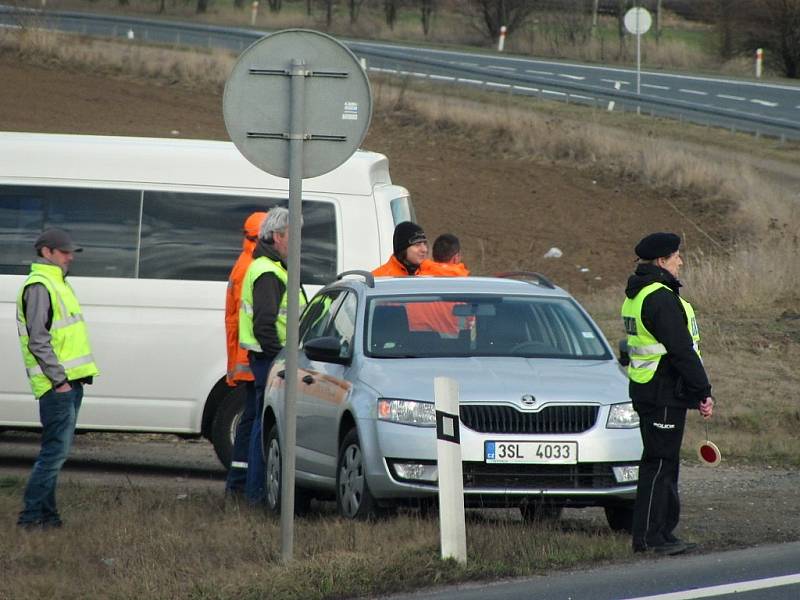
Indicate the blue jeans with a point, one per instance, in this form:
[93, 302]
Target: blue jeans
[58, 413]
[254, 486]
[237, 474]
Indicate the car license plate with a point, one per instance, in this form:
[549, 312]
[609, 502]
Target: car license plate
[557, 453]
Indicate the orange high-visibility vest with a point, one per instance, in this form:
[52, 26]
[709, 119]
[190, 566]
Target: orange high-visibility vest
[238, 365]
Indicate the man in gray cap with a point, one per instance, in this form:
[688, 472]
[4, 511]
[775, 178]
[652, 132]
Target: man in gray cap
[58, 360]
[666, 378]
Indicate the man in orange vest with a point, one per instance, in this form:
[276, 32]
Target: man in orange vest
[446, 258]
[410, 249]
[238, 366]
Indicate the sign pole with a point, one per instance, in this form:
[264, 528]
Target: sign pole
[296, 137]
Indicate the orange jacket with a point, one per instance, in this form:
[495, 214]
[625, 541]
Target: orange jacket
[391, 268]
[429, 316]
[238, 365]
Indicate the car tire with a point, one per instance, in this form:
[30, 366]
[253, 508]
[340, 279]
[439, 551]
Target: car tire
[620, 517]
[273, 477]
[223, 429]
[353, 498]
[538, 512]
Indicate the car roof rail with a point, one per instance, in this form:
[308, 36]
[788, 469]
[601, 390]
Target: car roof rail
[529, 276]
[369, 278]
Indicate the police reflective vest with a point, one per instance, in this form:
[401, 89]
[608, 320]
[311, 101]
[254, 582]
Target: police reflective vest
[68, 336]
[257, 268]
[644, 349]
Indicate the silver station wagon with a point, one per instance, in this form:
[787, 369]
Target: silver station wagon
[546, 422]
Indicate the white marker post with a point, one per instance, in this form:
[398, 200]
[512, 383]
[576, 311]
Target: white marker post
[501, 42]
[759, 61]
[253, 12]
[451, 480]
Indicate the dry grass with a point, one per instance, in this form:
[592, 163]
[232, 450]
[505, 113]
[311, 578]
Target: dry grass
[142, 543]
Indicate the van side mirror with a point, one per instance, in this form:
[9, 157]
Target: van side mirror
[624, 357]
[327, 349]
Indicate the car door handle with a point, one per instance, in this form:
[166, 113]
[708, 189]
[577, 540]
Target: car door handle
[281, 374]
[308, 379]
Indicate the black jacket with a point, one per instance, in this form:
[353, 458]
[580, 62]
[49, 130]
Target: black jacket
[267, 293]
[680, 379]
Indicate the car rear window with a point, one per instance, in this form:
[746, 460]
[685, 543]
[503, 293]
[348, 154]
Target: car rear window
[514, 326]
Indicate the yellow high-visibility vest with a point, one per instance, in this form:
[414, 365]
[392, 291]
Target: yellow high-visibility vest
[68, 335]
[258, 267]
[644, 349]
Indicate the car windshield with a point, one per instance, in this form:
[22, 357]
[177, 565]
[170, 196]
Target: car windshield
[480, 325]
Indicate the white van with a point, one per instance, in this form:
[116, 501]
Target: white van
[160, 221]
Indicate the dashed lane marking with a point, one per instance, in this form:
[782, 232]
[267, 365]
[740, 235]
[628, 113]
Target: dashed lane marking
[764, 102]
[729, 97]
[695, 92]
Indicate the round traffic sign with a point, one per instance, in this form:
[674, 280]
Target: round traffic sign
[638, 21]
[336, 107]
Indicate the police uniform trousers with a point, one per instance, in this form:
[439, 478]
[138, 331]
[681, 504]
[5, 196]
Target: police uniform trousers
[657, 509]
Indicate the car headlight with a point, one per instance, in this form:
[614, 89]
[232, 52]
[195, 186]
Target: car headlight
[622, 416]
[407, 412]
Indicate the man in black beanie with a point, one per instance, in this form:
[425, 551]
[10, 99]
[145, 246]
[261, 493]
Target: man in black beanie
[666, 379]
[410, 249]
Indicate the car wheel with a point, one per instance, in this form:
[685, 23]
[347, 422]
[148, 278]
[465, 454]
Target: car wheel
[353, 498]
[620, 517]
[538, 512]
[223, 429]
[273, 482]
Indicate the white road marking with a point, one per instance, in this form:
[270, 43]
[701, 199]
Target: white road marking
[695, 92]
[655, 87]
[418, 74]
[538, 72]
[500, 68]
[495, 84]
[530, 89]
[615, 81]
[581, 97]
[465, 64]
[764, 102]
[728, 588]
[553, 93]
[793, 88]
[728, 97]
[579, 78]
[478, 81]
[443, 77]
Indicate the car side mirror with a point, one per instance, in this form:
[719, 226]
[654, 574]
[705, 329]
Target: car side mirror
[326, 349]
[624, 357]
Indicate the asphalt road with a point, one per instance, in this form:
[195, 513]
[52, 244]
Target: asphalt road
[761, 573]
[748, 105]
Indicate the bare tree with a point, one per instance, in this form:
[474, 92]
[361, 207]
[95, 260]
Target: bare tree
[426, 10]
[328, 13]
[390, 12]
[354, 7]
[275, 6]
[489, 15]
[775, 26]
[202, 6]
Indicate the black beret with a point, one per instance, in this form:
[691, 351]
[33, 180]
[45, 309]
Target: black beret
[407, 234]
[657, 245]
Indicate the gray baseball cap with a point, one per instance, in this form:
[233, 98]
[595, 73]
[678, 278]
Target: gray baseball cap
[56, 239]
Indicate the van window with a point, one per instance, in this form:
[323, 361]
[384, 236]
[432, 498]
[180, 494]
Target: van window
[104, 222]
[180, 236]
[402, 210]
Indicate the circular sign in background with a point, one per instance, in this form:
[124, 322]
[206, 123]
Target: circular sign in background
[638, 21]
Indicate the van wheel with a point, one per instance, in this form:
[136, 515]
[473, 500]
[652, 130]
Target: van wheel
[353, 498]
[223, 429]
[620, 517]
[273, 482]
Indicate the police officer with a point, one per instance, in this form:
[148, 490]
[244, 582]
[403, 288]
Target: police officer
[262, 328]
[58, 360]
[666, 378]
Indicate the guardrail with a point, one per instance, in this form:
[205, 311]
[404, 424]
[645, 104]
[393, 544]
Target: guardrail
[394, 62]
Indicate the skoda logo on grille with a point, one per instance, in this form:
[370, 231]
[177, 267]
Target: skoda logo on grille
[528, 400]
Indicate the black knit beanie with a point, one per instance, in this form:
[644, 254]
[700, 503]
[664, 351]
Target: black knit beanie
[407, 234]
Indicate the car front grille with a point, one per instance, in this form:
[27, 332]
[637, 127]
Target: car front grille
[485, 418]
[581, 476]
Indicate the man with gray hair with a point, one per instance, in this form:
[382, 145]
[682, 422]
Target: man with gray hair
[262, 329]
